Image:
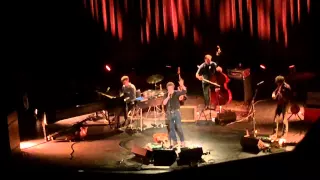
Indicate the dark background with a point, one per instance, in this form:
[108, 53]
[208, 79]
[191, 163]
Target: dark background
[57, 49]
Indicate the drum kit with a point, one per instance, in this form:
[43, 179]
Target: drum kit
[155, 96]
[152, 99]
[157, 92]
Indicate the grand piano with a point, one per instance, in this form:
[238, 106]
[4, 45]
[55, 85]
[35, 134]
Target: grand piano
[93, 102]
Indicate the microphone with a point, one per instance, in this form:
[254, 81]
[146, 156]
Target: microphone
[260, 83]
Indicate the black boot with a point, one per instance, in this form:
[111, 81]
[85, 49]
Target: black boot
[274, 130]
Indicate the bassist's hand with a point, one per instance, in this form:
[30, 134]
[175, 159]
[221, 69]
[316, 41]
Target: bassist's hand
[219, 69]
[200, 78]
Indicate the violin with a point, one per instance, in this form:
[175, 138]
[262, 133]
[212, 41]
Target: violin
[277, 93]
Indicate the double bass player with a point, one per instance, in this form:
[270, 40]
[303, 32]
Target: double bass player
[205, 71]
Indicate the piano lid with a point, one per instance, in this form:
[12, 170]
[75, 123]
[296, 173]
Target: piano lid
[77, 104]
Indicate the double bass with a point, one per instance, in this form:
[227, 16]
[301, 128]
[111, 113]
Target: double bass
[222, 95]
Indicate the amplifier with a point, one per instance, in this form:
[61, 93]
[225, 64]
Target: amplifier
[239, 74]
[313, 100]
[241, 89]
[226, 118]
[188, 113]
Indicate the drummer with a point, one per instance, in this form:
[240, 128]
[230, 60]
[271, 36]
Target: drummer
[129, 93]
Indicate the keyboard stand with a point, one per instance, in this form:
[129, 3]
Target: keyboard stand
[135, 113]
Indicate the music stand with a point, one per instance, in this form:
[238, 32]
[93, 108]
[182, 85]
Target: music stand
[203, 113]
[210, 105]
[295, 109]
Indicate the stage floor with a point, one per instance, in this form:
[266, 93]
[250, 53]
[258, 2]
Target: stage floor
[105, 148]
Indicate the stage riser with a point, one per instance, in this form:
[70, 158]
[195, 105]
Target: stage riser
[14, 136]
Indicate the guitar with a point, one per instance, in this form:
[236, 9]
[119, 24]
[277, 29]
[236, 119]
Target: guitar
[182, 98]
[277, 93]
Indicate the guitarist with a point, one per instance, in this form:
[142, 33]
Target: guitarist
[205, 71]
[282, 94]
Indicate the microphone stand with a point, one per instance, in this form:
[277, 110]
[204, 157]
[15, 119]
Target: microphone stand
[253, 112]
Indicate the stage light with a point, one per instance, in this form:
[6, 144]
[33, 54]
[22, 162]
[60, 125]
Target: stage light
[292, 69]
[262, 66]
[108, 68]
[292, 66]
[168, 66]
[26, 145]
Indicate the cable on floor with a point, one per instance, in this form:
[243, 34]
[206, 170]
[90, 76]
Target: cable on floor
[71, 154]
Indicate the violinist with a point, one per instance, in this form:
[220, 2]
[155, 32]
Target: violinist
[282, 94]
[182, 98]
[205, 71]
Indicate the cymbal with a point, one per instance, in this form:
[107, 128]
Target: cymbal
[155, 79]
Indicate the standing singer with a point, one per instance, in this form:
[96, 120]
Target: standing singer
[205, 71]
[173, 115]
[282, 94]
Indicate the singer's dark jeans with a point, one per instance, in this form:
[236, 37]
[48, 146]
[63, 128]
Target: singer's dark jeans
[174, 125]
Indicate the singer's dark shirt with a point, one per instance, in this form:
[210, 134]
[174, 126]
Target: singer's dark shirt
[173, 103]
[207, 70]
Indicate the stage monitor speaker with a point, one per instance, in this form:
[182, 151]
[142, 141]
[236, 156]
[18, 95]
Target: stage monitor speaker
[226, 118]
[188, 113]
[14, 136]
[164, 157]
[250, 144]
[241, 89]
[190, 155]
[141, 152]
